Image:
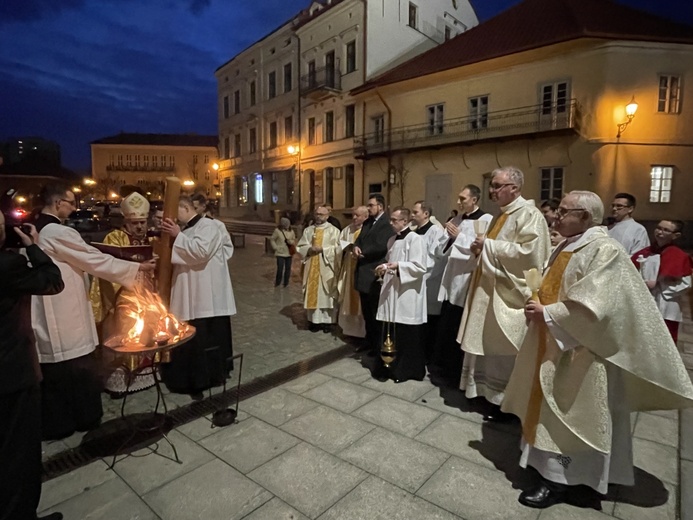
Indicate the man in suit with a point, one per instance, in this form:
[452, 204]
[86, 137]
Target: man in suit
[20, 394]
[370, 249]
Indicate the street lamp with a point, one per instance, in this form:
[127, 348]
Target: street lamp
[631, 109]
[296, 150]
[188, 183]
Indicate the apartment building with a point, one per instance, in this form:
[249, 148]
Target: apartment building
[323, 53]
[546, 86]
[146, 160]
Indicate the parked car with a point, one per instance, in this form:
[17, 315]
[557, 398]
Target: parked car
[89, 225]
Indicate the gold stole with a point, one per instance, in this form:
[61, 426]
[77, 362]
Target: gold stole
[313, 285]
[548, 294]
[497, 226]
[354, 299]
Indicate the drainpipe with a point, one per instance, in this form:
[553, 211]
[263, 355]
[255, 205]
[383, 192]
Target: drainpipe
[364, 194]
[389, 141]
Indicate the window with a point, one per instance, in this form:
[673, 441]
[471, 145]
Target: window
[669, 94]
[242, 191]
[478, 112]
[554, 98]
[163, 160]
[311, 130]
[273, 134]
[258, 189]
[252, 93]
[551, 183]
[329, 69]
[137, 161]
[350, 120]
[329, 186]
[195, 175]
[349, 185]
[226, 148]
[351, 56]
[329, 126]
[252, 140]
[312, 79]
[120, 161]
[237, 102]
[448, 33]
[155, 162]
[171, 161]
[379, 129]
[226, 107]
[288, 128]
[194, 159]
[413, 12]
[272, 85]
[435, 119]
[206, 159]
[237, 145]
[145, 162]
[661, 178]
[206, 175]
[287, 78]
[128, 159]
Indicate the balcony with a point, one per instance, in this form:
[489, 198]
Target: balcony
[321, 83]
[536, 121]
[139, 168]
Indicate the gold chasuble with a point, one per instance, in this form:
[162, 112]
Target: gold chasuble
[612, 345]
[349, 299]
[313, 283]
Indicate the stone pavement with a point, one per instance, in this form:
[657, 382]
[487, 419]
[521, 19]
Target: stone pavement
[336, 444]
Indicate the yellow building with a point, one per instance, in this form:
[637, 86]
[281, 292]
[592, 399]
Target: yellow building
[544, 87]
[146, 160]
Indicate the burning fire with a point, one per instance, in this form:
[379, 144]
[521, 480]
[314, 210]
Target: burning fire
[153, 323]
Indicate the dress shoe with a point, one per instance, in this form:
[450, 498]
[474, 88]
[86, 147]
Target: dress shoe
[543, 496]
[197, 396]
[497, 416]
[52, 516]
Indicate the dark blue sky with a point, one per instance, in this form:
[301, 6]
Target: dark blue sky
[76, 70]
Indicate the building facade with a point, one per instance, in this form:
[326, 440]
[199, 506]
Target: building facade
[145, 160]
[323, 53]
[550, 100]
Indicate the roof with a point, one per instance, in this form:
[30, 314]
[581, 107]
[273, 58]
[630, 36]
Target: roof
[161, 139]
[533, 24]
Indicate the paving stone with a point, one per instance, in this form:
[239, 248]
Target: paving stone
[475, 492]
[277, 406]
[686, 431]
[408, 390]
[658, 429]
[567, 512]
[72, 484]
[328, 429]
[341, 395]
[347, 369]
[396, 415]
[647, 501]
[669, 414]
[395, 458]
[686, 490]
[112, 500]
[477, 443]
[212, 491]
[452, 402]
[657, 459]
[375, 499]
[308, 479]
[305, 383]
[249, 444]
[144, 470]
[275, 509]
[51, 448]
[197, 429]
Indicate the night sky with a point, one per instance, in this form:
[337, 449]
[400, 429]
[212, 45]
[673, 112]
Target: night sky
[75, 70]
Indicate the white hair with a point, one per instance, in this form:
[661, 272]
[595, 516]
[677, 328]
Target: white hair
[590, 202]
[514, 174]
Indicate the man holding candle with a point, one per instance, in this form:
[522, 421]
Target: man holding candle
[592, 356]
[493, 324]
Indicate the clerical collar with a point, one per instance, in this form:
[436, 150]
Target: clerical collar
[423, 229]
[402, 234]
[43, 219]
[193, 221]
[514, 204]
[474, 215]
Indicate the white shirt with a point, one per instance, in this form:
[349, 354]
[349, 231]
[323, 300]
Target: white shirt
[630, 234]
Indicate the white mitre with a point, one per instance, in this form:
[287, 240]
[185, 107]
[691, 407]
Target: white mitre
[135, 206]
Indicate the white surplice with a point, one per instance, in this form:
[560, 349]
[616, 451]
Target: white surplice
[434, 242]
[630, 234]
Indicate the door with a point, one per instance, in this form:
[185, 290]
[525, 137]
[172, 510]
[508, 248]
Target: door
[555, 103]
[329, 69]
[438, 195]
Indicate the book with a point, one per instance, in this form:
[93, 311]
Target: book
[132, 253]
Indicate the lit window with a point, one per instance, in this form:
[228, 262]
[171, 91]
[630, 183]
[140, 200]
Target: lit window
[661, 178]
[259, 191]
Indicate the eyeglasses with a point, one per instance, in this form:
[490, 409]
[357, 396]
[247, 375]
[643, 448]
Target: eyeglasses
[72, 203]
[371, 205]
[498, 187]
[619, 206]
[665, 231]
[562, 212]
[397, 219]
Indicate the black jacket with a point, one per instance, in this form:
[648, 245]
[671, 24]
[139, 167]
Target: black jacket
[19, 367]
[373, 243]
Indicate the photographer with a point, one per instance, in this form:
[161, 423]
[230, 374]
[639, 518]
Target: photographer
[20, 407]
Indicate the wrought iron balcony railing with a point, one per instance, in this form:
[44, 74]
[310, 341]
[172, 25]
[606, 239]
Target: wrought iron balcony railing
[322, 80]
[536, 119]
[139, 168]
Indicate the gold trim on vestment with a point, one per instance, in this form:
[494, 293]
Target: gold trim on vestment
[313, 284]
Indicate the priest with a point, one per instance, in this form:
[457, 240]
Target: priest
[321, 252]
[202, 295]
[459, 262]
[493, 324]
[592, 356]
[350, 316]
[402, 307]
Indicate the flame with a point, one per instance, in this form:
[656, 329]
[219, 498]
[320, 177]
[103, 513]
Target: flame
[151, 318]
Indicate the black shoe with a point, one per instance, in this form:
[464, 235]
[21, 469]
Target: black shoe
[197, 396]
[52, 516]
[543, 496]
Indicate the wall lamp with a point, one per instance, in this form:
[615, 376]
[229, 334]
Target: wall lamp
[631, 109]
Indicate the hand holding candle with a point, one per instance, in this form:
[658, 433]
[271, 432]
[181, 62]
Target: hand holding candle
[533, 279]
[480, 228]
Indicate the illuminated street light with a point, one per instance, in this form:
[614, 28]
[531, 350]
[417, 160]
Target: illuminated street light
[21, 199]
[89, 182]
[215, 166]
[293, 150]
[188, 183]
[76, 189]
[114, 195]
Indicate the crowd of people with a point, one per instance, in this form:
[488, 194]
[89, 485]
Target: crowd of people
[519, 310]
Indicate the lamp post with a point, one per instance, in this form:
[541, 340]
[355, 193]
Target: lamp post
[296, 151]
[631, 109]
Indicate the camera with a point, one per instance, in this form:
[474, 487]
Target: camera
[13, 218]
